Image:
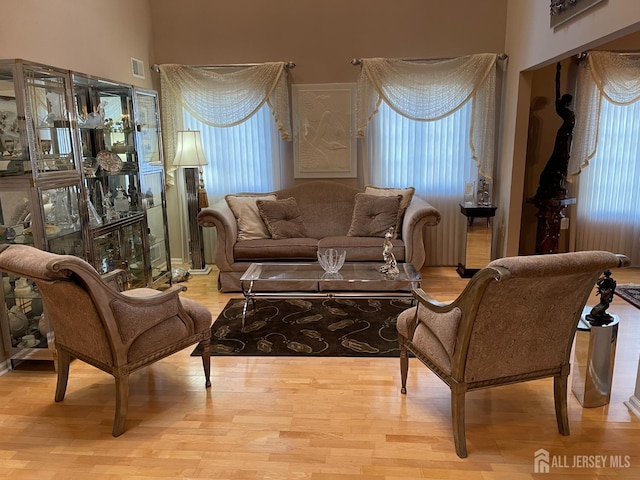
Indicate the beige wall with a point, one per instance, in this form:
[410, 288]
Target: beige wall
[322, 36]
[88, 36]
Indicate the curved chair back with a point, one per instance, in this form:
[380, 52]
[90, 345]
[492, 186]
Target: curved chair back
[515, 321]
[526, 320]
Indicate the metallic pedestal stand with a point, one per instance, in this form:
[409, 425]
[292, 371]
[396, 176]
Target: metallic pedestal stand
[593, 361]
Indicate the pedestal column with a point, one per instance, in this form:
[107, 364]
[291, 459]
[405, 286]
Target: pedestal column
[549, 218]
[593, 362]
[634, 400]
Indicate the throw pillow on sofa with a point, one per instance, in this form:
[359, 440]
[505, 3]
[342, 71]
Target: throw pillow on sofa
[374, 215]
[245, 209]
[282, 218]
[407, 195]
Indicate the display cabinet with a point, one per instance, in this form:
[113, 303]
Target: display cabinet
[123, 177]
[41, 191]
[80, 173]
[149, 147]
[123, 246]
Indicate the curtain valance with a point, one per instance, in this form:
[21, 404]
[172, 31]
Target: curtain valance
[221, 98]
[610, 75]
[229, 98]
[431, 90]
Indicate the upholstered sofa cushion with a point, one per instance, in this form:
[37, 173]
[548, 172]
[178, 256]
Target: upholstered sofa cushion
[407, 195]
[282, 218]
[301, 248]
[245, 209]
[373, 215]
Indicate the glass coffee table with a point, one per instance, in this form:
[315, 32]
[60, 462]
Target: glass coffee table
[301, 280]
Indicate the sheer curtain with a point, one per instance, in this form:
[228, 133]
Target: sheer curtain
[242, 114]
[606, 153]
[430, 125]
[242, 158]
[435, 158]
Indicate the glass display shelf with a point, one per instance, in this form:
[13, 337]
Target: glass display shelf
[123, 247]
[35, 123]
[150, 154]
[41, 192]
[109, 159]
[153, 200]
[28, 329]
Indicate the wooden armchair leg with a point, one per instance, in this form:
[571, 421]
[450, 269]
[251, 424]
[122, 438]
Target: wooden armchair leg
[560, 398]
[404, 365]
[457, 418]
[122, 403]
[63, 374]
[206, 361]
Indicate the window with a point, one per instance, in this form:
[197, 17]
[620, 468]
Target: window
[435, 158]
[242, 158]
[608, 202]
[436, 113]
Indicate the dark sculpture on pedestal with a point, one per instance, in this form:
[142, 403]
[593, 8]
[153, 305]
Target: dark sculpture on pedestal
[551, 196]
[606, 287]
[553, 176]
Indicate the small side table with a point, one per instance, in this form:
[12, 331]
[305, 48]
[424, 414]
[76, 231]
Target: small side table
[477, 248]
[593, 361]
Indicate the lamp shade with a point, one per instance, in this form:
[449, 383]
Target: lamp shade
[189, 152]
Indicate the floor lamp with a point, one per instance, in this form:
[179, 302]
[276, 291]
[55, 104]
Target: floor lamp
[190, 157]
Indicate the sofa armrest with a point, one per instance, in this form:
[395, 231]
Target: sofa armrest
[220, 216]
[419, 214]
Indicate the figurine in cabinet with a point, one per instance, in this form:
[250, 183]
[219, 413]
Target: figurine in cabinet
[121, 202]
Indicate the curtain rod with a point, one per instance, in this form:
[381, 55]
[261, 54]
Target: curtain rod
[358, 61]
[156, 68]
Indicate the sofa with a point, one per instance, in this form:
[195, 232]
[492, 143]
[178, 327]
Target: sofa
[292, 224]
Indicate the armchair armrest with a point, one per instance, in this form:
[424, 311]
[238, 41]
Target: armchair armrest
[138, 310]
[427, 300]
[419, 214]
[220, 216]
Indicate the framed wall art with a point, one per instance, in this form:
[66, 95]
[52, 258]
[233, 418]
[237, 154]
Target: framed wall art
[561, 11]
[324, 143]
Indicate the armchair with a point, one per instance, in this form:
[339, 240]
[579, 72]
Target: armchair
[117, 332]
[515, 321]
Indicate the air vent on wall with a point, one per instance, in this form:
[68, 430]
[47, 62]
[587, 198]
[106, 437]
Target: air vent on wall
[137, 68]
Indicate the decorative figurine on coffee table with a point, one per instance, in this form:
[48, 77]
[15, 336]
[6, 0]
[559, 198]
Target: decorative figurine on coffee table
[390, 267]
[606, 286]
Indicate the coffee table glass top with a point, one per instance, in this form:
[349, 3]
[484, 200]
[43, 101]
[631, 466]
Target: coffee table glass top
[350, 272]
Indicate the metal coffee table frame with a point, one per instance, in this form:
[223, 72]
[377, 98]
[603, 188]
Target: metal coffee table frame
[303, 280]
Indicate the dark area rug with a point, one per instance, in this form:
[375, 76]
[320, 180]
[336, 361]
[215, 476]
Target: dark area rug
[630, 293]
[328, 327]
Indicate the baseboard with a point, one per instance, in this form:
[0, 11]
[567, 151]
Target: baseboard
[200, 271]
[634, 405]
[5, 367]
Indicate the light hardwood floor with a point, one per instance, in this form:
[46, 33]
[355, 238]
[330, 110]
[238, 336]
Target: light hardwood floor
[307, 418]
